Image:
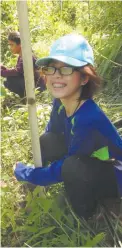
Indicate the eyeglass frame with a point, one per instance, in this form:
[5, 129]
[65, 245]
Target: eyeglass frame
[59, 70]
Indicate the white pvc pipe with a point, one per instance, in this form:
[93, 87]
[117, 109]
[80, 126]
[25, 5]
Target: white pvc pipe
[29, 79]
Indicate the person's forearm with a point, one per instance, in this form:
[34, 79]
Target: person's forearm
[39, 175]
[9, 72]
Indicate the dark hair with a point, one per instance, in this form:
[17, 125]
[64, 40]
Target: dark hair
[15, 37]
[93, 84]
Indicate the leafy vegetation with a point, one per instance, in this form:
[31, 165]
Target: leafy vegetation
[29, 220]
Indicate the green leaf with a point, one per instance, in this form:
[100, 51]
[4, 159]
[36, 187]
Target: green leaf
[96, 240]
[43, 231]
[46, 204]
[64, 240]
[3, 92]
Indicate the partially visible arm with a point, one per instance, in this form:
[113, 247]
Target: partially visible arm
[5, 72]
[39, 175]
[18, 70]
[49, 175]
[8, 72]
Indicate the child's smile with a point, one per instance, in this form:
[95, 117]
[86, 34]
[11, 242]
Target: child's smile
[58, 85]
[63, 86]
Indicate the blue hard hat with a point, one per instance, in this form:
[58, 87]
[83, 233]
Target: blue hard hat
[72, 49]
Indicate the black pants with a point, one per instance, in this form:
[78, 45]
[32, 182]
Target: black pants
[16, 84]
[87, 180]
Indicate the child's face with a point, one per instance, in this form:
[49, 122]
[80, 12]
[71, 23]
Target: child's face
[64, 86]
[15, 48]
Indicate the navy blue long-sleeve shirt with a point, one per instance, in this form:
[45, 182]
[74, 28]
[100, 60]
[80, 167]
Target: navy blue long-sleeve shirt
[88, 131]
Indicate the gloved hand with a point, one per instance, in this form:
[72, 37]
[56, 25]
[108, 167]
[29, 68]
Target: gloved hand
[22, 172]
